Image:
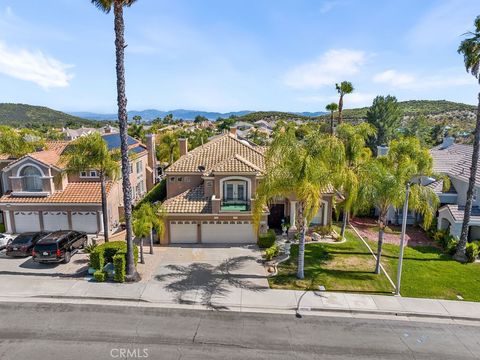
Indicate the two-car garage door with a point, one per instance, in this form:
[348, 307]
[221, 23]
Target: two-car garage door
[212, 232]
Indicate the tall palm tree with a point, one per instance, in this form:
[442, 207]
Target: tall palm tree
[386, 187]
[168, 147]
[344, 88]
[119, 27]
[355, 169]
[145, 219]
[332, 107]
[470, 49]
[299, 170]
[91, 152]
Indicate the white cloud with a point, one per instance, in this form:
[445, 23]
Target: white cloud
[333, 66]
[36, 67]
[409, 81]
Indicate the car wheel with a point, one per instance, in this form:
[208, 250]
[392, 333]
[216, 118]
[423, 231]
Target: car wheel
[67, 257]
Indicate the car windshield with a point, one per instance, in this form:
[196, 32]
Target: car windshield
[22, 239]
[46, 247]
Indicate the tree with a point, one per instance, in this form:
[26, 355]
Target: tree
[470, 49]
[167, 149]
[91, 152]
[299, 169]
[343, 89]
[168, 119]
[146, 218]
[386, 187]
[137, 131]
[18, 143]
[385, 116]
[355, 167]
[137, 119]
[419, 128]
[200, 119]
[119, 27]
[332, 107]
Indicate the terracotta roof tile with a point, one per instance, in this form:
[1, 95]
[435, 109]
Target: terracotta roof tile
[75, 193]
[192, 201]
[236, 164]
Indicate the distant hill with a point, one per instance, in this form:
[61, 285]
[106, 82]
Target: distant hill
[151, 114]
[22, 115]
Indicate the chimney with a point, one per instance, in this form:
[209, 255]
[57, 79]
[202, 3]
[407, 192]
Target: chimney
[183, 146]
[233, 131]
[107, 129]
[152, 158]
[447, 142]
[382, 150]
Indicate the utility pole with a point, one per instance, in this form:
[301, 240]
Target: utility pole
[402, 240]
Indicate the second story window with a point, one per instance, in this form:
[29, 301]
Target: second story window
[131, 168]
[31, 179]
[139, 166]
[89, 174]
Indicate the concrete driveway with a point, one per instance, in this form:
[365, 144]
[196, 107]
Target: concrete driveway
[25, 266]
[205, 274]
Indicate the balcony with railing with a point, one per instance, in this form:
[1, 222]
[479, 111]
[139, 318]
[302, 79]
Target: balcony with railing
[235, 206]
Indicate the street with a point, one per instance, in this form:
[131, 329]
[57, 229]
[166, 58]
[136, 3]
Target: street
[68, 331]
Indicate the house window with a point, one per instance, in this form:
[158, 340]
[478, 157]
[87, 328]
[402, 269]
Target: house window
[139, 166]
[172, 179]
[131, 168]
[31, 179]
[89, 174]
[179, 179]
[475, 195]
[187, 179]
[235, 191]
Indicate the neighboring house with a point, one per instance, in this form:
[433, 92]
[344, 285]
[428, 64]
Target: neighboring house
[211, 192]
[455, 160]
[39, 195]
[269, 125]
[72, 134]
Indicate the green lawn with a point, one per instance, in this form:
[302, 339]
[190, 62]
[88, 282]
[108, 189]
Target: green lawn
[348, 267]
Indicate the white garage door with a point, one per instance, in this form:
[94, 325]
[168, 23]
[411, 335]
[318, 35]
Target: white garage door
[85, 221]
[55, 220]
[222, 232]
[183, 233]
[26, 221]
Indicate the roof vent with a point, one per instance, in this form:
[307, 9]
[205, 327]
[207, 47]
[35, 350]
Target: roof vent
[447, 142]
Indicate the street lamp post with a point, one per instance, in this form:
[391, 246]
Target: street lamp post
[402, 240]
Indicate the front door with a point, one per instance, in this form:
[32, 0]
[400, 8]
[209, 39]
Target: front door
[277, 213]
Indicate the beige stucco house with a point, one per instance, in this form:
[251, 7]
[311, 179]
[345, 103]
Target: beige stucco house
[211, 192]
[39, 195]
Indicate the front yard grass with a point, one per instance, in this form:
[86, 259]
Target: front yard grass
[427, 272]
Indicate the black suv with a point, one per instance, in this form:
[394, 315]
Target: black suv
[23, 244]
[59, 246]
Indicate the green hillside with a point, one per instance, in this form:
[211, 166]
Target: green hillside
[271, 115]
[22, 115]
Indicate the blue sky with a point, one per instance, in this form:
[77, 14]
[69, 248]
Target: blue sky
[235, 55]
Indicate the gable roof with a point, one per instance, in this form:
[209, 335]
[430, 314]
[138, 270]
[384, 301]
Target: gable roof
[50, 156]
[223, 152]
[454, 160]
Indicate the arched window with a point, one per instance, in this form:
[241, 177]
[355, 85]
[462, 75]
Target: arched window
[31, 179]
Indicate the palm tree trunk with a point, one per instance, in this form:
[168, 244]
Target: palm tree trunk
[122, 121]
[344, 224]
[151, 243]
[142, 259]
[104, 207]
[331, 123]
[462, 244]
[301, 244]
[340, 109]
[381, 233]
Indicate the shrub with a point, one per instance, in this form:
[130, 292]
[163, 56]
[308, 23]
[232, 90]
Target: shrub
[451, 244]
[323, 230]
[266, 240]
[119, 264]
[88, 249]
[100, 275]
[271, 252]
[472, 250]
[97, 260]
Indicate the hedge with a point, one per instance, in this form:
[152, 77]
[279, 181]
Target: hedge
[100, 275]
[472, 251]
[157, 193]
[266, 240]
[109, 253]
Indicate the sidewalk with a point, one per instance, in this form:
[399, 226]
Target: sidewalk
[233, 299]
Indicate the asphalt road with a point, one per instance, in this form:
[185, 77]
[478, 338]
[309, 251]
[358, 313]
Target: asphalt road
[62, 331]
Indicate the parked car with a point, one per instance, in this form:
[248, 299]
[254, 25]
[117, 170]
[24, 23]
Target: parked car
[23, 244]
[59, 246]
[4, 240]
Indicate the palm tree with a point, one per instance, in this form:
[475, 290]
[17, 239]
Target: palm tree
[88, 153]
[355, 169]
[168, 147]
[332, 107]
[299, 170]
[470, 48]
[386, 187]
[119, 26]
[145, 219]
[345, 87]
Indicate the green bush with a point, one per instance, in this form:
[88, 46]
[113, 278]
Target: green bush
[97, 259]
[157, 193]
[2, 228]
[266, 240]
[451, 244]
[89, 248]
[100, 275]
[472, 250]
[271, 252]
[323, 230]
[119, 264]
